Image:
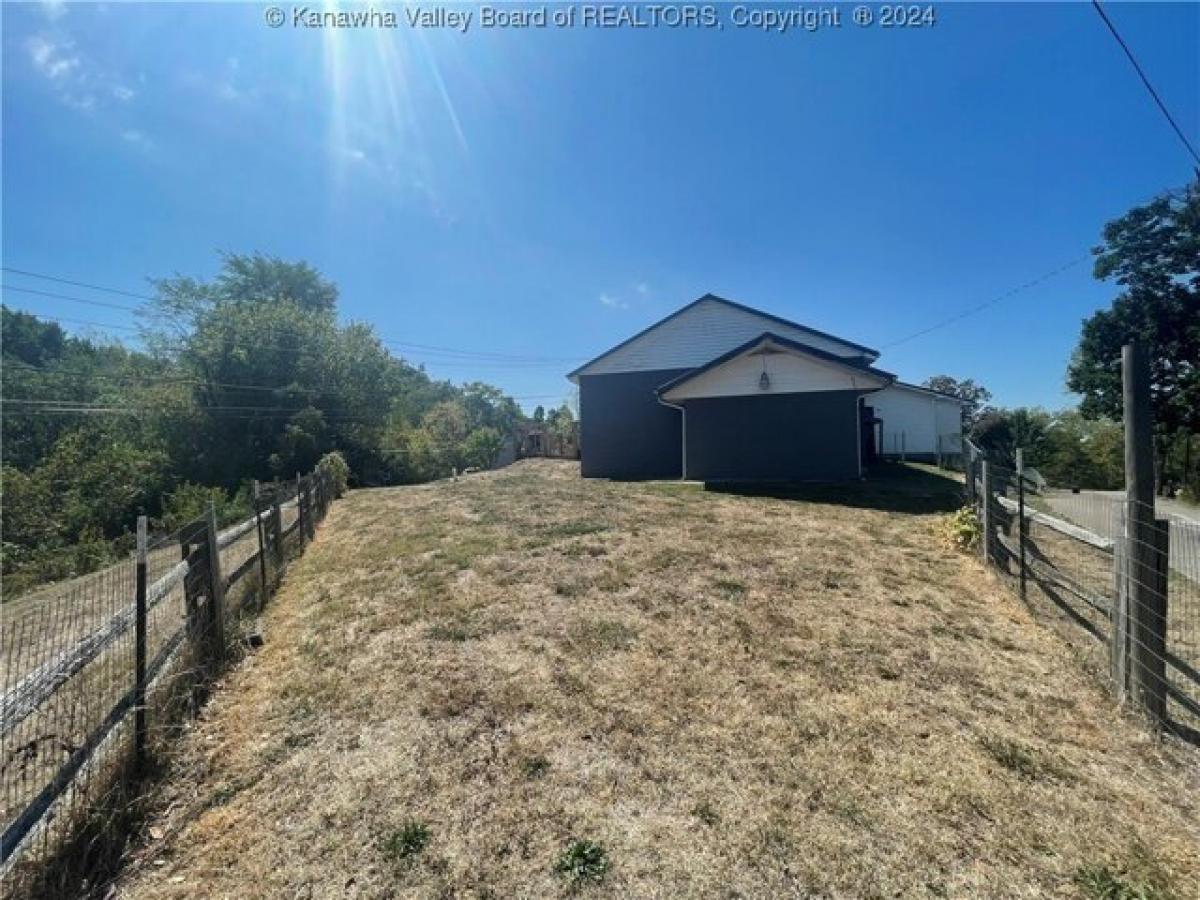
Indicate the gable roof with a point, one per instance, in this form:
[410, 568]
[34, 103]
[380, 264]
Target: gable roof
[713, 298]
[786, 343]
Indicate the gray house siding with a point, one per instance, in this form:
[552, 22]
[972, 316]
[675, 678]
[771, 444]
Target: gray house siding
[624, 431]
[779, 437]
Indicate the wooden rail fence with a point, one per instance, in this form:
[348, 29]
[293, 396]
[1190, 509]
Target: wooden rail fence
[205, 635]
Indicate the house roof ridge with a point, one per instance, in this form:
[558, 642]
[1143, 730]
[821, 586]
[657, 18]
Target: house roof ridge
[733, 304]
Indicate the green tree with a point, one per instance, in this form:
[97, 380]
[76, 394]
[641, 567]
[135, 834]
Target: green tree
[975, 396]
[1153, 254]
[481, 447]
[999, 432]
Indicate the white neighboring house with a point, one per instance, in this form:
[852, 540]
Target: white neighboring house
[915, 422]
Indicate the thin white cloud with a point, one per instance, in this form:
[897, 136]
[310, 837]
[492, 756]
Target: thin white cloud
[643, 289]
[612, 302]
[78, 82]
[54, 9]
[57, 61]
[137, 139]
[225, 85]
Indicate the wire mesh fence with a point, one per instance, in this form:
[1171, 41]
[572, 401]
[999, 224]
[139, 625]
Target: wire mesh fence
[100, 674]
[1119, 579]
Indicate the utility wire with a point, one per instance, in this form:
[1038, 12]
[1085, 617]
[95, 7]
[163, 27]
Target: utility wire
[457, 352]
[82, 284]
[178, 347]
[1149, 87]
[146, 380]
[987, 303]
[1168, 192]
[23, 290]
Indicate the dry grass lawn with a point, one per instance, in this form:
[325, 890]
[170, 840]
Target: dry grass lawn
[723, 696]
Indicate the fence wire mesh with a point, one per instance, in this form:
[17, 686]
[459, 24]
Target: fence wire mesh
[79, 719]
[1089, 572]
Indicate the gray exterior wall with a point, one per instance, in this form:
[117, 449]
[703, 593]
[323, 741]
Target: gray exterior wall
[624, 432]
[774, 437]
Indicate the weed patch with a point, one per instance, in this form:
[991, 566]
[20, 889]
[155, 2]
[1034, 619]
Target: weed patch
[403, 844]
[581, 862]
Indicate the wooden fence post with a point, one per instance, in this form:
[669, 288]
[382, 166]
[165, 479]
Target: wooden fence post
[1021, 517]
[969, 467]
[277, 530]
[262, 547]
[1118, 647]
[985, 513]
[300, 508]
[139, 651]
[216, 592]
[1147, 596]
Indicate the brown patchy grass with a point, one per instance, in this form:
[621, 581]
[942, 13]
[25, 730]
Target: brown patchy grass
[524, 684]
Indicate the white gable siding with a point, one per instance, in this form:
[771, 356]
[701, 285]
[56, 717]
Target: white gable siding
[701, 334]
[913, 419]
[789, 373]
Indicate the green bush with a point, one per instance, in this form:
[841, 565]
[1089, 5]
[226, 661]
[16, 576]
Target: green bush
[959, 530]
[189, 502]
[338, 470]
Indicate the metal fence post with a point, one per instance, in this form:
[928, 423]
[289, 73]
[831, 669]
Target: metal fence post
[1021, 517]
[262, 547]
[985, 513]
[139, 651]
[216, 590]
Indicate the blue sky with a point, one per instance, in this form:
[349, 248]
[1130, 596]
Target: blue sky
[547, 193]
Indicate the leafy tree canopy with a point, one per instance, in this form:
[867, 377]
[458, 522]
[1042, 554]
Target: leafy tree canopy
[1153, 253]
[976, 396]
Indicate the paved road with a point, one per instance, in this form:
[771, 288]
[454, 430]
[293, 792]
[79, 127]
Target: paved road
[1097, 512]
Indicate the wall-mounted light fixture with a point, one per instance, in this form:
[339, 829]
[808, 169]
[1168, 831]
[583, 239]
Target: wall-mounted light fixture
[764, 381]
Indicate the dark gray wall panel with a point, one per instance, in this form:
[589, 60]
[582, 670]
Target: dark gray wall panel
[779, 437]
[624, 431]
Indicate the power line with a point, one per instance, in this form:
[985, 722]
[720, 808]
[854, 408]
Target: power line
[460, 358]
[23, 290]
[1146, 81]
[82, 284]
[987, 303]
[456, 352]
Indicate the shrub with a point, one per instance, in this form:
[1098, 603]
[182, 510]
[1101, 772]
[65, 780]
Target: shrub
[482, 447]
[582, 861]
[189, 502]
[335, 465]
[960, 530]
